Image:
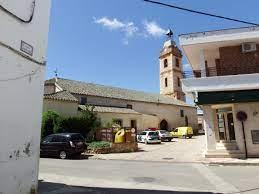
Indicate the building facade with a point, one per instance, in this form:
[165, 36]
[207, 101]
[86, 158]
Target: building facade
[225, 64]
[129, 108]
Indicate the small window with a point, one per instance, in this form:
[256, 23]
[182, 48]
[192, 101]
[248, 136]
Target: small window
[165, 63]
[166, 84]
[178, 82]
[129, 106]
[182, 113]
[83, 101]
[177, 63]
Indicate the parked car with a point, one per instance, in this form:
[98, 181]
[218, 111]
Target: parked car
[164, 135]
[149, 137]
[182, 132]
[63, 145]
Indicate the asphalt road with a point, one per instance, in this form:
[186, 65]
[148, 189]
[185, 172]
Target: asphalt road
[115, 176]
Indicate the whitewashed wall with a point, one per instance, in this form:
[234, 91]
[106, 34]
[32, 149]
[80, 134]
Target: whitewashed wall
[21, 94]
[252, 123]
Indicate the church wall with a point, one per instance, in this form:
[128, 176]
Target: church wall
[171, 113]
[64, 108]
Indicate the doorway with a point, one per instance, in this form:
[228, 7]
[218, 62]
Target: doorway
[225, 122]
[164, 125]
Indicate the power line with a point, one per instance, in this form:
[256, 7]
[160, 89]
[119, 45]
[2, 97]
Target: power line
[32, 73]
[201, 13]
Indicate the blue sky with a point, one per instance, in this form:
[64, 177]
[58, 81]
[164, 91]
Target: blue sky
[117, 42]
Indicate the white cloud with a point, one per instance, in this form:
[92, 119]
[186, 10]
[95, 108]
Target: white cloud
[153, 29]
[128, 28]
[109, 23]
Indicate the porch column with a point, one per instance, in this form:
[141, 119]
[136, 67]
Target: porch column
[202, 64]
[209, 128]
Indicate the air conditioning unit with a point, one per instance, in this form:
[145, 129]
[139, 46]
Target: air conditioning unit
[248, 47]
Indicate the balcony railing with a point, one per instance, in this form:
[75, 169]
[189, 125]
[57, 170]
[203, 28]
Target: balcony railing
[209, 72]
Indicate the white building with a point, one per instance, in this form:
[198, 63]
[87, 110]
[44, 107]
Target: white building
[225, 64]
[23, 43]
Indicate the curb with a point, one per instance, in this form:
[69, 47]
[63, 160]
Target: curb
[186, 162]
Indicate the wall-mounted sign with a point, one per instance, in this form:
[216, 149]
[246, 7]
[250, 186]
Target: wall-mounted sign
[255, 136]
[26, 48]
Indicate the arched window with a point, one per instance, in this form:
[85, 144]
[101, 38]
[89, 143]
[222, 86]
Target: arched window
[165, 63]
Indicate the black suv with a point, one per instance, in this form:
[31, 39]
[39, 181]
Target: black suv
[63, 145]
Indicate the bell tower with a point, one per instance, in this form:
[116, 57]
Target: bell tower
[171, 69]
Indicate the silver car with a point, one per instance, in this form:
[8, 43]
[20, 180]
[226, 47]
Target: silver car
[165, 135]
[148, 137]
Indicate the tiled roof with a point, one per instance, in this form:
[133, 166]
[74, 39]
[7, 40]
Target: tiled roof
[103, 109]
[62, 95]
[78, 87]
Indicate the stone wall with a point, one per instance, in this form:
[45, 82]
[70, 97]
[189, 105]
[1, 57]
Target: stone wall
[124, 147]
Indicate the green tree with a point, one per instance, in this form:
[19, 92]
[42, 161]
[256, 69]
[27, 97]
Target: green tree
[49, 121]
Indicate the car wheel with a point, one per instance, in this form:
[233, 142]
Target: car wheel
[62, 155]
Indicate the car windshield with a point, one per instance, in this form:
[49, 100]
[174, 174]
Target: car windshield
[77, 137]
[153, 133]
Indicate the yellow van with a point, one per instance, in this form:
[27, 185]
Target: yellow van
[182, 132]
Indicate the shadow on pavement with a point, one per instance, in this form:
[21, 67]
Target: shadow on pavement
[57, 188]
[81, 157]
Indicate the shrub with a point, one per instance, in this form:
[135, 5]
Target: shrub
[49, 121]
[86, 124]
[99, 145]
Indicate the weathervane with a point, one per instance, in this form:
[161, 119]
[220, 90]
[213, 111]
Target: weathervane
[56, 73]
[169, 34]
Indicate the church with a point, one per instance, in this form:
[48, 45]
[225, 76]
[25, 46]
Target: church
[128, 108]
